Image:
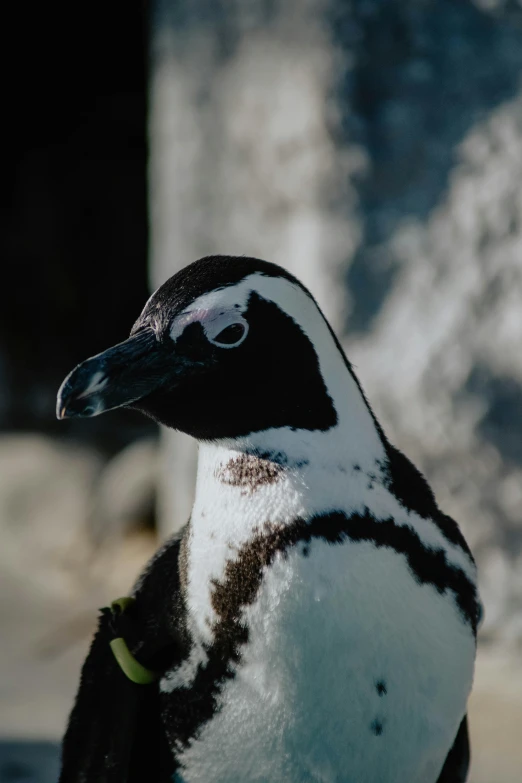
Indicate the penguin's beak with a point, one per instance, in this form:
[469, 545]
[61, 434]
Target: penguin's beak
[117, 377]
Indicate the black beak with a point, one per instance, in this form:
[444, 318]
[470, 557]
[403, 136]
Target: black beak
[117, 377]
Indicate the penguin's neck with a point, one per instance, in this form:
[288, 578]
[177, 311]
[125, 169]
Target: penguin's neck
[257, 484]
[272, 477]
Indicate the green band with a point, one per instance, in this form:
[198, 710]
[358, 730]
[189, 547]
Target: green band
[122, 603]
[132, 668]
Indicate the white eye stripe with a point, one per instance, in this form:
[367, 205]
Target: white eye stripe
[213, 321]
[180, 323]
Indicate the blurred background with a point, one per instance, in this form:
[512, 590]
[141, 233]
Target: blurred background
[374, 147]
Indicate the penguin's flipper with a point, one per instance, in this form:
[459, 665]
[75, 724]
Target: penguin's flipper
[456, 766]
[115, 733]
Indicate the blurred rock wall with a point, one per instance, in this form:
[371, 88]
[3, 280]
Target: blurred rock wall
[374, 147]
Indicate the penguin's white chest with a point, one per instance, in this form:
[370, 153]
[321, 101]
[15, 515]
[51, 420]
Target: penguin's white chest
[352, 673]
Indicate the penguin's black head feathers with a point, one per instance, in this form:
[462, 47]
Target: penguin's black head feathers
[211, 273]
[219, 351]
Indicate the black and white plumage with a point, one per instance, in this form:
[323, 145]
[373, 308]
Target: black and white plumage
[319, 616]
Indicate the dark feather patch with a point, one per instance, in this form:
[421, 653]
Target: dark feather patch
[380, 687]
[377, 727]
[411, 489]
[249, 472]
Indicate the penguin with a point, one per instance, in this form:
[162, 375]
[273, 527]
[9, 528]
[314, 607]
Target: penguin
[316, 619]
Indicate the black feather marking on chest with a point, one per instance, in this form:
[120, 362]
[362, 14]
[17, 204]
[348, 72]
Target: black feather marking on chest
[187, 710]
[413, 492]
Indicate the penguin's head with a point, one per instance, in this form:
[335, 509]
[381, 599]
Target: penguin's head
[226, 347]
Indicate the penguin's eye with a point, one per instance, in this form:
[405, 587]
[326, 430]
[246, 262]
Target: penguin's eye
[231, 335]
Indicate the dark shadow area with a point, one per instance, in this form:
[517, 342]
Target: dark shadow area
[74, 230]
[25, 761]
[421, 76]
